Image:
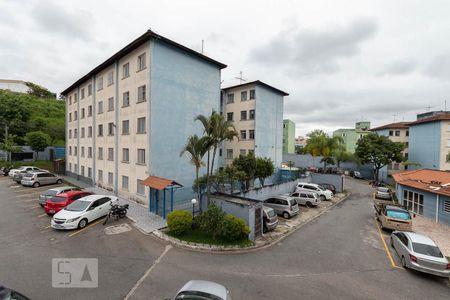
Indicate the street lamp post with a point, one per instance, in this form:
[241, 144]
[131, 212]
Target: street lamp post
[193, 201]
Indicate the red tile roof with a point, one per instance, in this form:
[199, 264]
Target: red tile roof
[398, 125]
[433, 181]
[159, 183]
[435, 118]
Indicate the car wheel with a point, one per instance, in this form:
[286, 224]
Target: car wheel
[82, 223]
[323, 198]
[286, 215]
[18, 182]
[36, 184]
[59, 181]
[309, 204]
[392, 243]
[265, 229]
[404, 262]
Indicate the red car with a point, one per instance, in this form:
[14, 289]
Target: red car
[58, 202]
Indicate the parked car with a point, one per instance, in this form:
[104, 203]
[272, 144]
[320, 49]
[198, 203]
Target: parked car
[328, 186]
[37, 179]
[18, 176]
[58, 202]
[308, 199]
[324, 194]
[283, 205]
[10, 294]
[383, 193]
[420, 253]
[270, 219]
[55, 191]
[81, 212]
[201, 289]
[392, 217]
[356, 174]
[24, 168]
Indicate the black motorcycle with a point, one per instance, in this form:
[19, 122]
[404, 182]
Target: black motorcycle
[5, 170]
[116, 211]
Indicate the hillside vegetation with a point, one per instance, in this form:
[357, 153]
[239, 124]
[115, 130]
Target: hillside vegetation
[24, 113]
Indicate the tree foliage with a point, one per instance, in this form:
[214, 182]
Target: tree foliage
[39, 91]
[211, 221]
[379, 151]
[320, 144]
[179, 221]
[264, 168]
[37, 140]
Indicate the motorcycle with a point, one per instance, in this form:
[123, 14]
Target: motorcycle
[5, 170]
[116, 211]
[377, 183]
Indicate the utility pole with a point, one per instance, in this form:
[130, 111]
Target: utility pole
[241, 78]
[203, 44]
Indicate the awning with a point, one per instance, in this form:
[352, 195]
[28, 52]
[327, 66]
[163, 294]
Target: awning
[159, 183]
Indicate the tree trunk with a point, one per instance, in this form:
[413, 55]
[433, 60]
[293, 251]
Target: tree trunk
[212, 170]
[207, 181]
[198, 187]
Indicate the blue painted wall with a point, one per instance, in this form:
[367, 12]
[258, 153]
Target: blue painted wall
[424, 145]
[182, 87]
[444, 217]
[269, 131]
[429, 200]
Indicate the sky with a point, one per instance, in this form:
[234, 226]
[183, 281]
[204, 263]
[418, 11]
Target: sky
[340, 61]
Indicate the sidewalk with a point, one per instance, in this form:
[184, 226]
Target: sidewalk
[143, 219]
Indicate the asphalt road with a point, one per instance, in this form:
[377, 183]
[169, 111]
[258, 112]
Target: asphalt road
[339, 255]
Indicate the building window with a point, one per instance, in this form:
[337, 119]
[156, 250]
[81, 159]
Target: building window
[220, 152]
[446, 206]
[140, 187]
[110, 78]
[110, 178]
[75, 150]
[82, 113]
[100, 107]
[70, 100]
[75, 116]
[252, 94]
[242, 152]
[252, 114]
[125, 155]
[70, 117]
[406, 156]
[82, 170]
[89, 152]
[89, 89]
[229, 153]
[82, 93]
[141, 125]
[251, 151]
[100, 84]
[70, 133]
[243, 115]
[110, 129]
[75, 133]
[244, 96]
[391, 132]
[406, 144]
[125, 182]
[141, 156]
[395, 166]
[397, 133]
[126, 99]
[82, 132]
[110, 154]
[100, 130]
[82, 151]
[100, 153]
[413, 201]
[243, 134]
[75, 168]
[70, 150]
[125, 127]
[230, 98]
[75, 98]
[407, 132]
[90, 111]
[100, 175]
[251, 134]
[111, 104]
[126, 70]
[343, 134]
[70, 167]
[141, 94]
[141, 62]
[230, 116]
[89, 174]
[90, 131]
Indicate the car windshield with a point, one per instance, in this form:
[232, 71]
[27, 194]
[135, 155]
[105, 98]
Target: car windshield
[383, 190]
[78, 206]
[321, 188]
[292, 202]
[195, 295]
[271, 213]
[427, 250]
[51, 193]
[28, 175]
[58, 199]
[397, 214]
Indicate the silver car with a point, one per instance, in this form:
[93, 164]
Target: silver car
[420, 253]
[270, 219]
[283, 205]
[55, 191]
[37, 179]
[308, 199]
[383, 193]
[201, 289]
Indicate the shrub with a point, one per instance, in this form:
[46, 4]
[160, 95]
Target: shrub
[212, 220]
[179, 221]
[234, 228]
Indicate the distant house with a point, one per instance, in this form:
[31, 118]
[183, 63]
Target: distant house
[425, 192]
[19, 86]
[350, 136]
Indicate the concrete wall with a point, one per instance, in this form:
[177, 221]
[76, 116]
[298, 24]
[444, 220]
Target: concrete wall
[336, 180]
[424, 145]
[263, 193]
[183, 86]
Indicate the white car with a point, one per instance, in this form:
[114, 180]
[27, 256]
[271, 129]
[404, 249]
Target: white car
[202, 289]
[12, 172]
[324, 194]
[79, 213]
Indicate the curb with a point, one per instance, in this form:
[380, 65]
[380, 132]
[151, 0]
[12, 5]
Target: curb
[236, 249]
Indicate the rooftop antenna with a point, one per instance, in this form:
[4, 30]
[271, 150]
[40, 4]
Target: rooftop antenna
[429, 107]
[394, 115]
[203, 45]
[241, 78]
[445, 105]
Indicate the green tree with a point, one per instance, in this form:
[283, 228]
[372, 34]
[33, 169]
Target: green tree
[37, 140]
[247, 165]
[379, 151]
[320, 144]
[211, 221]
[8, 145]
[218, 130]
[264, 169]
[39, 91]
[196, 148]
[340, 155]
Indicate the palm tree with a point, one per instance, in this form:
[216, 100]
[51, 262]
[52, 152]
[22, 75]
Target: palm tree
[196, 147]
[218, 130]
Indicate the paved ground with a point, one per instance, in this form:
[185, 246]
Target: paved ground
[339, 255]
[440, 233]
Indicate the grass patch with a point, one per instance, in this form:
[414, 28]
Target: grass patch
[200, 237]
[42, 164]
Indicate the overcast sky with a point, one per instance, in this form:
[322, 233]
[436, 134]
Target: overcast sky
[340, 61]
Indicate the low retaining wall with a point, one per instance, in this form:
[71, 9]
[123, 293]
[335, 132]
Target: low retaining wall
[268, 191]
[336, 180]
